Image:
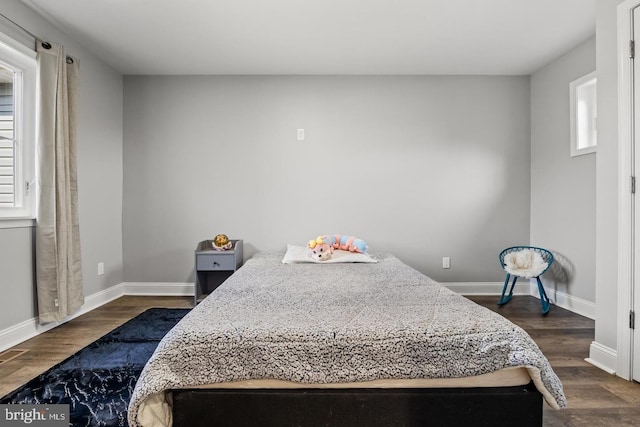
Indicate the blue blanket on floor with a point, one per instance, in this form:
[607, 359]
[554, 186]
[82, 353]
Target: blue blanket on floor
[98, 380]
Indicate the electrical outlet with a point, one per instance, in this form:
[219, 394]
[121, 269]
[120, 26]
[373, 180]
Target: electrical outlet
[300, 134]
[55, 302]
[100, 268]
[446, 262]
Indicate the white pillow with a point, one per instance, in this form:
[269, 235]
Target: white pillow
[296, 254]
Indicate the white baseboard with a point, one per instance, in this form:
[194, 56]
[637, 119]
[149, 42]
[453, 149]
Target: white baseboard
[23, 331]
[486, 288]
[568, 302]
[603, 357]
[158, 289]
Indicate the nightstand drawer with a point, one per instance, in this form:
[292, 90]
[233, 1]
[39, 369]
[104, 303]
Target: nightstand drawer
[212, 262]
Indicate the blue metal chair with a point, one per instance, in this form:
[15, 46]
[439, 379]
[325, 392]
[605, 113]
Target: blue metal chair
[546, 256]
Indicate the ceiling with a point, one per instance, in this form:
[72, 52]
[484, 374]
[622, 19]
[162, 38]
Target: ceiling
[167, 37]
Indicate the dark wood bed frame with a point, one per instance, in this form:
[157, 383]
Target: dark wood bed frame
[446, 407]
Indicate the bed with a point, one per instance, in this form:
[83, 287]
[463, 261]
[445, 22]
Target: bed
[371, 344]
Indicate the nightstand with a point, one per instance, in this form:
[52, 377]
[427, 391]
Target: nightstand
[214, 267]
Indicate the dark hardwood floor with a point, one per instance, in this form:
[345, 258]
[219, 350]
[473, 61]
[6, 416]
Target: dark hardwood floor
[595, 397]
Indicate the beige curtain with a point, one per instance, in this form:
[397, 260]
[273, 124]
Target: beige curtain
[58, 266]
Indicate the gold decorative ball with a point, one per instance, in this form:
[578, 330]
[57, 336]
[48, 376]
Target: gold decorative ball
[221, 240]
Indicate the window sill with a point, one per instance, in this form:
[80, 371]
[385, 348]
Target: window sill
[17, 222]
[583, 151]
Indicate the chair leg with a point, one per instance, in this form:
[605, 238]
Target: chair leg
[544, 299]
[505, 299]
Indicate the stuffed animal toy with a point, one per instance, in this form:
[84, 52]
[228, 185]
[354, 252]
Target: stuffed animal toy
[346, 243]
[323, 246]
[320, 249]
[221, 242]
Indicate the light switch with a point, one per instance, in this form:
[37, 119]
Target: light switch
[446, 262]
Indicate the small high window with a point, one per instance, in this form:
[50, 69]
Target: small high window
[584, 115]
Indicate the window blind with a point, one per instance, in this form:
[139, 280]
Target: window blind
[7, 146]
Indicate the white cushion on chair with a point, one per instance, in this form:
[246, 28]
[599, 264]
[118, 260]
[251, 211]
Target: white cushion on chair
[525, 263]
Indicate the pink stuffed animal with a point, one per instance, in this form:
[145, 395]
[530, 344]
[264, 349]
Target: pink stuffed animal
[319, 249]
[322, 247]
[346, 243]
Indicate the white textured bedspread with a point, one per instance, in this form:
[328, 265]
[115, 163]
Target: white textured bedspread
[333, 323]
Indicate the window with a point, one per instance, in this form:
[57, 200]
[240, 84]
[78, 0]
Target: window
[583, 106]
[17, 131]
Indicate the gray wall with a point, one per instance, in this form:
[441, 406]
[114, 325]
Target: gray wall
[99, 180]
[563, 188]
[16, 280]
[423, 167]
